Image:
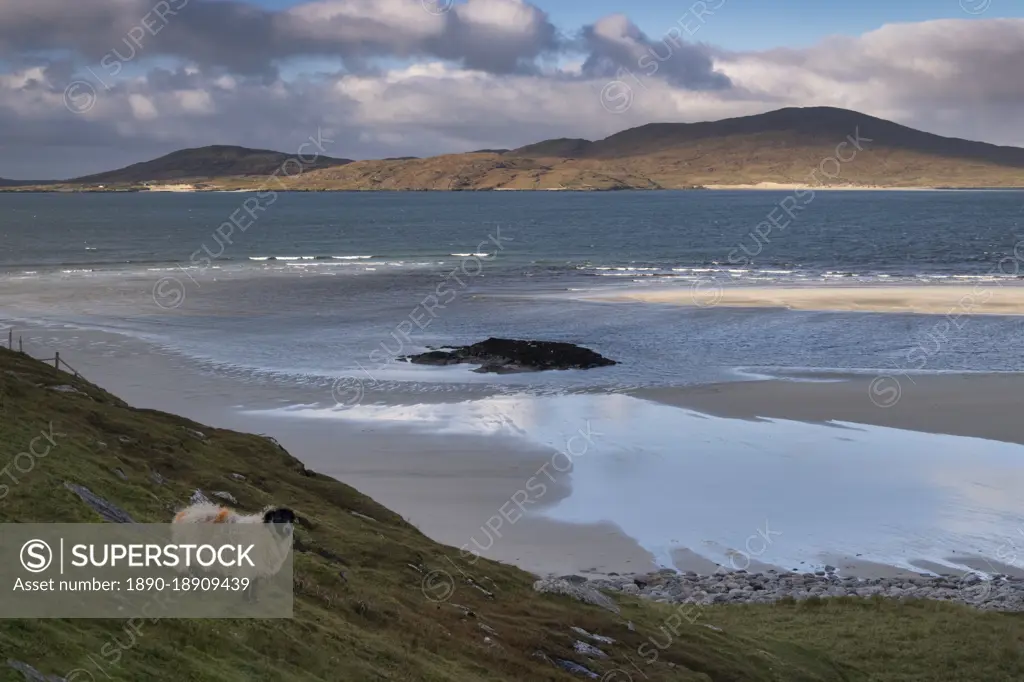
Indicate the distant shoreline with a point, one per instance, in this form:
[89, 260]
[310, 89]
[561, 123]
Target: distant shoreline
[758, 187]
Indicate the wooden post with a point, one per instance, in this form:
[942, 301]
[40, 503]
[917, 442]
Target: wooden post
[10, 339]
[56, 359]
[21, 348]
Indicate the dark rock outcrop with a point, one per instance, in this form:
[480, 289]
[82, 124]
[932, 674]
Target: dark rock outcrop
[505, 356]
[108, 510]
[31, 674]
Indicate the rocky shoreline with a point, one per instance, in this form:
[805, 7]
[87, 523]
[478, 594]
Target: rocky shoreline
[994, 593]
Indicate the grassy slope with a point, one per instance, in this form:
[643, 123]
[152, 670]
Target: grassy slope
[373, 624]
[376, 624]
[917, 641]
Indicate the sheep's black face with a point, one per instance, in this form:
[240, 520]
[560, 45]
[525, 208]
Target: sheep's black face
[283, 516]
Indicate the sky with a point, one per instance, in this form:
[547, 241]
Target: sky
[98, 84]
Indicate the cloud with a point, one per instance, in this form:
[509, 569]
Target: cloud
[90, 28]
[499, 36]
[953, 77]
[467, 80]
[617, 47]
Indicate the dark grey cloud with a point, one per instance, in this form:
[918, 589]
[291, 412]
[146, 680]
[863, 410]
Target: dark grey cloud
[89, 28]
[499, 36]
[618, 49]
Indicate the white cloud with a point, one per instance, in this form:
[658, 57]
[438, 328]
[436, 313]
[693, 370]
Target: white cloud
[195, 101]
[506, 16]
[142, 107]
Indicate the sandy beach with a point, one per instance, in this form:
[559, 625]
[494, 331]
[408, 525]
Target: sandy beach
[172, 188]
[983, 298]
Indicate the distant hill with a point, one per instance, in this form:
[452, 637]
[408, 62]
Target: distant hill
[825, 124]
[204, 163]
[4, 182]
[563, 147]
[778, 149]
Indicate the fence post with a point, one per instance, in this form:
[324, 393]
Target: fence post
[10, 339]
[56, 359]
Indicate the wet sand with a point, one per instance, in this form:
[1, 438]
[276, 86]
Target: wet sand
[458, 489]
[973, 405]
[954, 301]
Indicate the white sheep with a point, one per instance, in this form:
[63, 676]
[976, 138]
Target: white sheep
[268, 557]
[209, 512]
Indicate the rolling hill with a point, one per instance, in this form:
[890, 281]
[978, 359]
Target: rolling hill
[784, 147]
[203, 163]
[4, 182]
[811, 124]
[814, 146]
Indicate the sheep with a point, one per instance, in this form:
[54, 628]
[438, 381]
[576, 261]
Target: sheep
[269, 557]
[208, 512]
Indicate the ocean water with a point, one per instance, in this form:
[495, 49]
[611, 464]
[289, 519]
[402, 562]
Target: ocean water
[322, 286]
[562, 236]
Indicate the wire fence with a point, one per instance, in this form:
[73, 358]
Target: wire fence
[56, 359]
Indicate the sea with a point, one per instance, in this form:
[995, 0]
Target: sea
[327, 291]
[320, 285]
